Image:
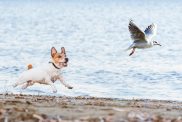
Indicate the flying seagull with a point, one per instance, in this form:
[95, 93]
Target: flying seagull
[142, 39]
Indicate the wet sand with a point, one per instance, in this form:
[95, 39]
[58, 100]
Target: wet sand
[31, 108]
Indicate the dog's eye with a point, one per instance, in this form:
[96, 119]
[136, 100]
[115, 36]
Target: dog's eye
[59, 56]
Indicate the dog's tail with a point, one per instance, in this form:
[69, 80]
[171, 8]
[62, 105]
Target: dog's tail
[29, 66]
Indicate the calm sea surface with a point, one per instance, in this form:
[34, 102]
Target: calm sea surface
[95, 35]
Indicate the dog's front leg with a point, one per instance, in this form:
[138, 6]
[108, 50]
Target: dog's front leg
[52, 85]
[64, 83]
[49, 82]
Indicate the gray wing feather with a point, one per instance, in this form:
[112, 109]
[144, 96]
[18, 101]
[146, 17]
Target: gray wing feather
[136, 33]
[150, 31]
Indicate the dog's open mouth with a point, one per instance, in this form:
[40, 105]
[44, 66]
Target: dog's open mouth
[64, 64]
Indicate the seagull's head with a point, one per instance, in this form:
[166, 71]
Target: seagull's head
[156, 43]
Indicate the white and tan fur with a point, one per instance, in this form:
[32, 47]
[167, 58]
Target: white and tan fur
[46, 74]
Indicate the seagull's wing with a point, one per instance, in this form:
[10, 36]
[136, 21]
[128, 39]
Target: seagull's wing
[136, 33]
[151, 31]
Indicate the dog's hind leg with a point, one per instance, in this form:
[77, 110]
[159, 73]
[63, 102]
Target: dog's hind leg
[25, 86]
[28, 83]
[19, 82]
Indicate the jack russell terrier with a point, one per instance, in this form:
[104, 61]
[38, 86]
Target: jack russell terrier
[47, 74]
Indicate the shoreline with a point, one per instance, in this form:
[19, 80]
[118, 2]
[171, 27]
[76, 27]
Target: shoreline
[39, 108]
[113, 98]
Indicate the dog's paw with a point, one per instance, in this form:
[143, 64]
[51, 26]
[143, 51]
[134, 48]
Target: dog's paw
[15, 85]
[55, 91]
[70, 87]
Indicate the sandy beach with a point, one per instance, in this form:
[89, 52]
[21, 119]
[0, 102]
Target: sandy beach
[30, 108]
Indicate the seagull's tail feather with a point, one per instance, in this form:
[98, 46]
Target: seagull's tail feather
[130, 47]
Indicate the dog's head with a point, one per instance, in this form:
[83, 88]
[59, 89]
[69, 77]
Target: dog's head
[59, 59]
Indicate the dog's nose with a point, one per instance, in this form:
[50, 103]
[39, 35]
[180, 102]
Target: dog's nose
[66, 59]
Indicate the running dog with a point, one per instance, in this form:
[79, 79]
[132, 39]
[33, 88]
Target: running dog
[46, 74]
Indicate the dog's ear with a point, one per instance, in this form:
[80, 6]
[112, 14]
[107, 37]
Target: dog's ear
[63, 50]
[53, 51]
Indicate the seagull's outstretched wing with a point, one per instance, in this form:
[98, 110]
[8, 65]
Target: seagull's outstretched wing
[136, 33]
[151, 31]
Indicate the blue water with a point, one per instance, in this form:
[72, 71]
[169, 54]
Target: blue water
[95, 34]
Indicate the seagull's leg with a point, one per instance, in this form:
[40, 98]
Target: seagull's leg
[132, 52]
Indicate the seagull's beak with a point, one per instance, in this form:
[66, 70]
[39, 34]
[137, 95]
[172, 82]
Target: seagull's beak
[159, 44]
